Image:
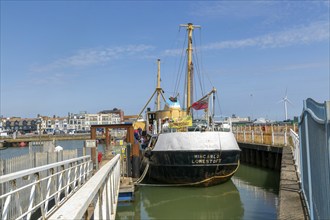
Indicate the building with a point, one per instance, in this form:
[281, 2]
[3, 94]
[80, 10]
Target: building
[77, 121]
[23, 125]
[83, 120]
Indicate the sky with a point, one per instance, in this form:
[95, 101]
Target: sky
[71, 56]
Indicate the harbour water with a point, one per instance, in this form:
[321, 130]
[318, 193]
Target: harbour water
[66, 144]
[251, 194]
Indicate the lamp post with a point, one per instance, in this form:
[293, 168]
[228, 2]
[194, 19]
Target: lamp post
[39, 126]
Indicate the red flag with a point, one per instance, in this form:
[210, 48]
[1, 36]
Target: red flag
[201, 104]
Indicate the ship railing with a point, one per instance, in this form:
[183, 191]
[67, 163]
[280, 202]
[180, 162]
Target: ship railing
[47, 187]
[97, 198]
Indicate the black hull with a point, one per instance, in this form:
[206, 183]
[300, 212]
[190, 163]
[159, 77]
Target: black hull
[191, 168]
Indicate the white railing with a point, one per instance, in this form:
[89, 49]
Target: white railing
[296, 152]
[34, 159]
[100, 192]
[47, 187]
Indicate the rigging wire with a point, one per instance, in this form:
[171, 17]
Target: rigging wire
[201, 56]
[173, 48]
[198, 70]
[202, 64]
[218, 101]
[181, 66]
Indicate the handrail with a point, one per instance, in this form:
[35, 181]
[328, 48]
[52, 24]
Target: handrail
[313, 115]
[296, 151]
[26, 191]
[22, 173]
[102, 187]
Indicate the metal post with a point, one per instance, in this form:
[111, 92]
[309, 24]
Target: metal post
[128, 161]
[273, 137]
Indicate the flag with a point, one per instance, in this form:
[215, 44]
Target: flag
[201, 104]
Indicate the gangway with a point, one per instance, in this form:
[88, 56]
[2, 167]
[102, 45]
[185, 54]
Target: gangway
[62, 190]
[98, 196]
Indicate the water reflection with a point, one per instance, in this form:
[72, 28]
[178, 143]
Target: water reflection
[258, 189]
[251, 194]
[264, 178]
[217, 202]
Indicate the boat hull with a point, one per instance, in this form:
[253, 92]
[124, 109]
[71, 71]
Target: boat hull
[195, 168]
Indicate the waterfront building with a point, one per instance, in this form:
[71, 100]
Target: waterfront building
[77, 121]
[83, 120]
[23, 125]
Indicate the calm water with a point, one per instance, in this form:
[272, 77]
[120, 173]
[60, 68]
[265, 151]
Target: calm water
[67, 145]
[251, 194]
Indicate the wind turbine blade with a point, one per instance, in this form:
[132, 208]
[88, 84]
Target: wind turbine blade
[289, 101]
[280, 101]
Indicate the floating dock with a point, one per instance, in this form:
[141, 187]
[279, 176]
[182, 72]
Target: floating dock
[126, 190]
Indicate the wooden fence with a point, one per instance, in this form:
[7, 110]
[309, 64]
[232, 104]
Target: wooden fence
[275, 135]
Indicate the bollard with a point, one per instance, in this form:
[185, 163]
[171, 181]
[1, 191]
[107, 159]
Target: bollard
[136, 161]
[128, 161]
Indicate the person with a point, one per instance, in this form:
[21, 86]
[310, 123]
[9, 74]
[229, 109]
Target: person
[140, 131]
[58, 148]
[99, 157]
[136, 136]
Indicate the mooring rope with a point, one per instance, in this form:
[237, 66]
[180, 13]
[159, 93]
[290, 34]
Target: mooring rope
[189, 184]
[143, 175]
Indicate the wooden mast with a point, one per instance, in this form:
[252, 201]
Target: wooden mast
[190, 28]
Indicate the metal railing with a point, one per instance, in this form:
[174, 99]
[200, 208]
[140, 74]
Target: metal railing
[34, 159]
[100, 193]
[296, 152]
[47, 187]
[314, 133]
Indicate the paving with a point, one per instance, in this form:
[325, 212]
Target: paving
[291, 204]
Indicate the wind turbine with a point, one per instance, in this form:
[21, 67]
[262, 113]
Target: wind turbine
[286, 100]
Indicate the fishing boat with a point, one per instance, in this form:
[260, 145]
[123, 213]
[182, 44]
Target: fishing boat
[179, 153]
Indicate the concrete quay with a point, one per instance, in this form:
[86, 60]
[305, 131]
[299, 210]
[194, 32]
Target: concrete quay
[292, 204]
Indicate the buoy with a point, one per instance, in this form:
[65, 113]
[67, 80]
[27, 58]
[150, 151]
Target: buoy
[22, 144]
[58, 148]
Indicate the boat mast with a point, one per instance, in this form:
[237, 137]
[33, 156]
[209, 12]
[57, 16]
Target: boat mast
[190, 27]
[158, 85]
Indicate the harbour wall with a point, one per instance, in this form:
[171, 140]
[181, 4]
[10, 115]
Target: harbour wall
[261, 155]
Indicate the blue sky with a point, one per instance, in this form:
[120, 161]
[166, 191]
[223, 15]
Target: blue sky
[70, 56]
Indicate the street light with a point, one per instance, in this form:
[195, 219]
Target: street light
[39, 126]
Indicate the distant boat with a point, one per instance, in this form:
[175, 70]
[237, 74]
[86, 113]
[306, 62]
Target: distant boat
[183, 155]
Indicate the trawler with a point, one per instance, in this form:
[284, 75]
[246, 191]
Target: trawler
[179, 153]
